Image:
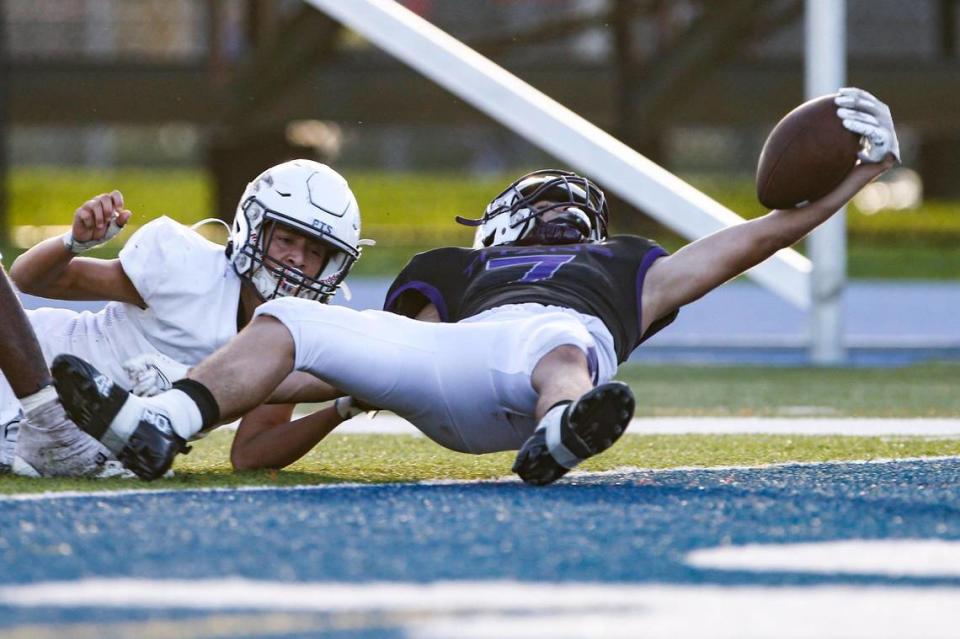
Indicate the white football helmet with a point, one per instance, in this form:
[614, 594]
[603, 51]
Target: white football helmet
[311, 199]
[515, 216]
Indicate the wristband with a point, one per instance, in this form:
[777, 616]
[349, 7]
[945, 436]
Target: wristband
[76, 247]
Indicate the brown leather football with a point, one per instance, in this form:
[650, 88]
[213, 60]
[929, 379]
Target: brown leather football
[806, 155]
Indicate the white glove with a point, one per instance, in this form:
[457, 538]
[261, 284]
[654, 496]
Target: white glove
[870, 118]
[347, 407]
[76, 247]
[152, 373]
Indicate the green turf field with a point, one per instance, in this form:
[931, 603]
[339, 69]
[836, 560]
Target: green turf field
[928, 390]
[403, 458]
[919, 391]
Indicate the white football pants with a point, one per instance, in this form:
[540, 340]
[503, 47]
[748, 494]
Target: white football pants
[466, 385]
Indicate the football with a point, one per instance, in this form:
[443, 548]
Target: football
[806, 156]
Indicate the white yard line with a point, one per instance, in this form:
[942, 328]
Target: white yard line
[886, 557]
[523, 609]
[388, 424]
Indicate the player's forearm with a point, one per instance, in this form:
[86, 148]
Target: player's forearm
[300, 387]
[781, 229]
[701, 266]
[283, 444]
[797, 223]
[42, 270]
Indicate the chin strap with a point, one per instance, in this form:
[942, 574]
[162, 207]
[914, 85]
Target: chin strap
[347, 293]
[210, 220]
[468, 222]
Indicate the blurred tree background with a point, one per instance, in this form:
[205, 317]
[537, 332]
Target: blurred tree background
[180, 102]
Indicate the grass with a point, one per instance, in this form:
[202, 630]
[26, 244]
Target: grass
[404, 458]
[408, 213]
[918, 391]
[928, 390]
[904, 261]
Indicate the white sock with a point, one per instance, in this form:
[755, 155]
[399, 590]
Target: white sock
[183, 414]
[552, 423]
[39, 400]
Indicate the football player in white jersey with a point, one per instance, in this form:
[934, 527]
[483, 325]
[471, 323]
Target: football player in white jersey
[175, 297]
[511, 345]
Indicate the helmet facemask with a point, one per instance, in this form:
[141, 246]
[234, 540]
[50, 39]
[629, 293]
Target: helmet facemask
[271, 277]
[544, 207]
[306, 198]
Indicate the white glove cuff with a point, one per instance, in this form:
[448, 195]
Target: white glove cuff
[73, 246]
[76, 247]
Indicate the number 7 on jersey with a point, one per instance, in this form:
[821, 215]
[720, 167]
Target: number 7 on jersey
[542, 267]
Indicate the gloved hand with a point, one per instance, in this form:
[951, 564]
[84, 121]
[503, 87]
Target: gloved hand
[870, 118]
[152, 373]
[348, 407]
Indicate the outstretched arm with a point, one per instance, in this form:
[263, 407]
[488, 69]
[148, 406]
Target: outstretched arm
[705, 264]
[52, 269]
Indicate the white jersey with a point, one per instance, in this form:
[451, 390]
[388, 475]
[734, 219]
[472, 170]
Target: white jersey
[191, 294]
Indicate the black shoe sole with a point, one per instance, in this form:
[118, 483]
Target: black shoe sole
[598, 418]
[91, 405]
[93, 401]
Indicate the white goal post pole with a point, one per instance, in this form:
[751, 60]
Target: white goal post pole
[825, 72]
[557, 130]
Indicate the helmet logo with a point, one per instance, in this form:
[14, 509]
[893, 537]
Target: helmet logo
[322, 226]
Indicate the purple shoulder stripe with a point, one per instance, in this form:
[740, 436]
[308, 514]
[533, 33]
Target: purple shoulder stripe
[593, 364]
[432, 293]
[649, 258]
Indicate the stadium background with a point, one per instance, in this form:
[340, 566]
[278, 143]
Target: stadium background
[180, 102]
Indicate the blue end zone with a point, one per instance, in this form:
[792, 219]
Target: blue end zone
[630, 527]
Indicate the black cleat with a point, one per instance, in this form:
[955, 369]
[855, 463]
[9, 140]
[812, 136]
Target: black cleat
[147, 445]
[588, 427]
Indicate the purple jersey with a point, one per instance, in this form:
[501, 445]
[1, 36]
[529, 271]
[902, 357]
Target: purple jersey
[604, 279]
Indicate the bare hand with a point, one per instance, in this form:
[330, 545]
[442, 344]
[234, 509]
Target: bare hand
[91, 221]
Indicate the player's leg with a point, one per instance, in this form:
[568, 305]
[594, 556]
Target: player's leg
[544, 366]
[45, 442]
[575, 419]
[579, 411]
[21, 359]
[146, 433]
[367, 355]
[560, 376]
[241, 375]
